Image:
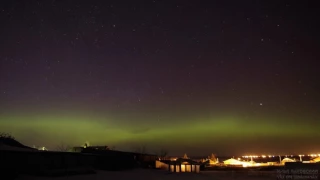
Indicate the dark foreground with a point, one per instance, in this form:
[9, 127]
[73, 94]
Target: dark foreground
[151, 174]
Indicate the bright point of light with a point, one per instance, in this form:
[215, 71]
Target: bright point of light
[43, 149]
[260, 104]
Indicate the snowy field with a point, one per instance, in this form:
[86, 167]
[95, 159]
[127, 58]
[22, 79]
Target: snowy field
[146, 174]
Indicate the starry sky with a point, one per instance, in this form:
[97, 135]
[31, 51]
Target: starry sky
[195, 77]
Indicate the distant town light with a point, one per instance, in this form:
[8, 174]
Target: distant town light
[43, 149]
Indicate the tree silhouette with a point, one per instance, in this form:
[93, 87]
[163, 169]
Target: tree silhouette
[185, 156]
[213, 158]
[5, 136]
[163, 153]
[141, 150]
[63, 147]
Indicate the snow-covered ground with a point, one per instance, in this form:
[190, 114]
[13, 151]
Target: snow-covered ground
[148, 174]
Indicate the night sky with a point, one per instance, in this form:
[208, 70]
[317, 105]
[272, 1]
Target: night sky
[195, 77]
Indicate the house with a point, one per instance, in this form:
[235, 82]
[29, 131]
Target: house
[233, 162]
[90, 148]
[317, 159]
[184, 165]
[283, 161]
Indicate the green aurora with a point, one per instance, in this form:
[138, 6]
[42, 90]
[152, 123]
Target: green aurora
[231, 132]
